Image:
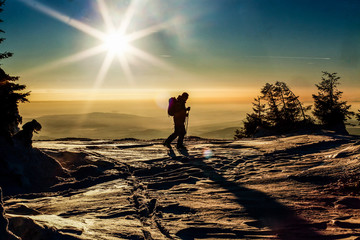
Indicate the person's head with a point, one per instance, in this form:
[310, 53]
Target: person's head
[185, 96]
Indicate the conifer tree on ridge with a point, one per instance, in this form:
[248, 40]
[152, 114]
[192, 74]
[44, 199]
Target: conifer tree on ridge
[10, 96]
[331, 112]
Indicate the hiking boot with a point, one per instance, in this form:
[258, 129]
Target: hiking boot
[167, 144]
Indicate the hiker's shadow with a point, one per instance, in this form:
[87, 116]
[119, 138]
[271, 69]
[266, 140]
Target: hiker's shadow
[283, 221]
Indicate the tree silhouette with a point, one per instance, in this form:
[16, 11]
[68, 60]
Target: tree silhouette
[292, 110]
[253, 120]
[331, 112]
[277, 110]
[273, 115]
[10, 96]
[259, 109]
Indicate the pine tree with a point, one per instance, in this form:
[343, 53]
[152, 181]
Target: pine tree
[277, 110]
[358, 116]
[328, 108]
[292, 110]
[253, 120]
[286, 115]
[259, 109]
[273, 115]
[10, 96]
[284, 107]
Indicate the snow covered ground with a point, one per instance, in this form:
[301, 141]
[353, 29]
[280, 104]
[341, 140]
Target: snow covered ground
[291, 187]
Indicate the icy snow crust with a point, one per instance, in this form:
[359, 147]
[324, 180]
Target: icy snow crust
[265, 188]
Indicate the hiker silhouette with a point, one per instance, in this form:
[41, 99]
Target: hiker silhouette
[25, 135]
[178, 110]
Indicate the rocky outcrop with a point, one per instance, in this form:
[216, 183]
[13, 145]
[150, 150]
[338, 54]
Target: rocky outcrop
[24, 169]
[5, 234]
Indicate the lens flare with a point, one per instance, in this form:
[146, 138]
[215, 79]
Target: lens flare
[207, 153]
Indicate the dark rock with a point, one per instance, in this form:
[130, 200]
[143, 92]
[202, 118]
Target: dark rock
[27, 169]
[5, 234]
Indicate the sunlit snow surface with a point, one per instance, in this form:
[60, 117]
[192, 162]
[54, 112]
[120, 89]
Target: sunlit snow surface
[266, 188]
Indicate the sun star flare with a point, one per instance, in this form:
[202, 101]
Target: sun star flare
[115, 42]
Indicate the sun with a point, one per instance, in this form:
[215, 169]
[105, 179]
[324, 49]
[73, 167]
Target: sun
[117, 43]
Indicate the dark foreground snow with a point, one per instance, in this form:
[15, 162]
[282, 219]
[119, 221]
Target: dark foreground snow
[298, 187]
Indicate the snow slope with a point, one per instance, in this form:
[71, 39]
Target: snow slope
[290, 187]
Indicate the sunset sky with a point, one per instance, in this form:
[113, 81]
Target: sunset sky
[119, 49]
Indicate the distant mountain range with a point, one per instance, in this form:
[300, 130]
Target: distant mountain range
[99, 125]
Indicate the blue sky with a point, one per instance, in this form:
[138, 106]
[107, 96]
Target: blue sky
[210, 44]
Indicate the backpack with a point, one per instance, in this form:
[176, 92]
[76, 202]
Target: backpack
[172, 106]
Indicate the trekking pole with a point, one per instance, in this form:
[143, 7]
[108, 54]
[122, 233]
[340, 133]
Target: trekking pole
[187, 123]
